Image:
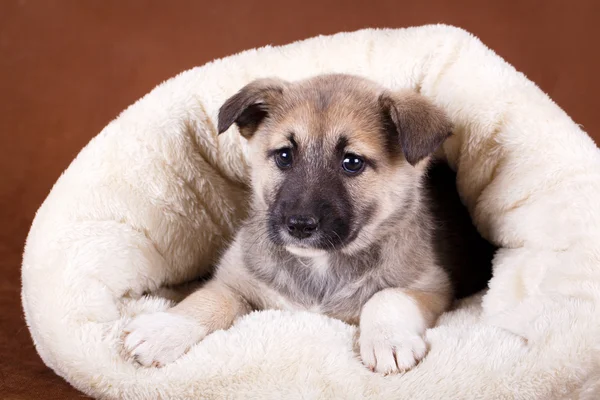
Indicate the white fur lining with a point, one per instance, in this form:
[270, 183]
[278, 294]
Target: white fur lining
[150, 200]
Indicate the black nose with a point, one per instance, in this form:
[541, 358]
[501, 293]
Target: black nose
[302, 226]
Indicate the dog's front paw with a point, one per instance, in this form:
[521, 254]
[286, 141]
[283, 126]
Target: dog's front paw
[389, 350]
[154, 340]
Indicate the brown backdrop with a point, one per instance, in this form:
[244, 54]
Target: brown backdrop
[68, 67]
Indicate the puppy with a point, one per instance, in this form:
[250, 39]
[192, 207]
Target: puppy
[341, 222]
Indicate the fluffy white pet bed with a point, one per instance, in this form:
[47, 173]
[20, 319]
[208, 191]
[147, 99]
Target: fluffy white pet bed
[152, 199]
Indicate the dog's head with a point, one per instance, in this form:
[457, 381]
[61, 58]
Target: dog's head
[333, 157]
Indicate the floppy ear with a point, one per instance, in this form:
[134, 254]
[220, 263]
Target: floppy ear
[417, 124]
[249, 107]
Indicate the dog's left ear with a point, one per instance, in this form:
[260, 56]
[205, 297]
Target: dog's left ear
[250, 106]
[418, 125]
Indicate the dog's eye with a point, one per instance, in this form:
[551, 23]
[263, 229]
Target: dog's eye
[353, 164]
[283, 158]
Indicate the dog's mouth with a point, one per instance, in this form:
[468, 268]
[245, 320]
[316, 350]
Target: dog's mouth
[318, 243]
[315, 241]
[302, 251]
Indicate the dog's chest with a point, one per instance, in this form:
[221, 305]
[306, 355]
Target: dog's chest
[329, 285]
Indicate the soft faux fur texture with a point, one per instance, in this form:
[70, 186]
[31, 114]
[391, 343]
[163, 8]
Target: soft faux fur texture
[156, 195]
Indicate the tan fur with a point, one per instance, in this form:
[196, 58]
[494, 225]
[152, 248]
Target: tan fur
[214, 306]
[431, 304]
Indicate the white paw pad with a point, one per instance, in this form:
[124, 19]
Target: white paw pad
[154, 340]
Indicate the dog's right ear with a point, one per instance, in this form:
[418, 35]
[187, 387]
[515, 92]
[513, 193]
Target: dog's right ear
[249, 107]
